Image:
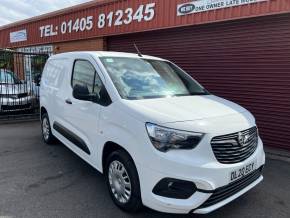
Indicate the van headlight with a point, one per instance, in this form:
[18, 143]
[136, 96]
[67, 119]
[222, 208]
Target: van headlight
[164, 139]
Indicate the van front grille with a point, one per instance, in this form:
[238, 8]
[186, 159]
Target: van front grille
[236, 147]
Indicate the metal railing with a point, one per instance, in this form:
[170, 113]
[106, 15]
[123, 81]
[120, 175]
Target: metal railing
[20, 74]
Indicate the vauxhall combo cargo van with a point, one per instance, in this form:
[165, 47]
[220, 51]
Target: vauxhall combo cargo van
[158, 136]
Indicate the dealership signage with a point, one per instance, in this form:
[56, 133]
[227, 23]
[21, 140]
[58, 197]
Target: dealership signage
[208, 5]
[113, 18]
[37, 49]
[18, 36]
[108, 18]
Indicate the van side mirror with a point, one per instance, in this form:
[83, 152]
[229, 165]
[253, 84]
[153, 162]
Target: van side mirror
[82, 93]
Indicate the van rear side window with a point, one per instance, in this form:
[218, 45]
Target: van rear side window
[54, 72]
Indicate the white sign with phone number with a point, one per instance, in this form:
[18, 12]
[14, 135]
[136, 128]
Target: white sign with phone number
[143, 13]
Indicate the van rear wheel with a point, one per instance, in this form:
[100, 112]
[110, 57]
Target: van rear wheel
[47, 136]
[123, 181]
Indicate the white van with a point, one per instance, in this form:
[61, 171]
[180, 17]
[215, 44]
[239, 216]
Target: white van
[159, 137]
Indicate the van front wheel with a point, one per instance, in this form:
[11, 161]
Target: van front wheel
[47, 136]
[123, 181]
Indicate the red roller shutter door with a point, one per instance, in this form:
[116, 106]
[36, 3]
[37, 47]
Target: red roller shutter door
[246, 61]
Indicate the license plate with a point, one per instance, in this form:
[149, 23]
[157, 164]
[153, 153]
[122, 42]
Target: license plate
[243, 171]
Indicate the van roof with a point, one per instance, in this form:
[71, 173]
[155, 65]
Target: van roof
[102, 54]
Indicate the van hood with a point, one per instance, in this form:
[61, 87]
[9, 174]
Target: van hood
[178, 109]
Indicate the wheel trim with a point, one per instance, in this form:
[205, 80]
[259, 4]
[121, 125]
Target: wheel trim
[119, 181]
[45, 128]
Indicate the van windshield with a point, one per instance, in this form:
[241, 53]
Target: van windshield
[137, 78]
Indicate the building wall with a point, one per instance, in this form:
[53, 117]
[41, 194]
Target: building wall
[245, 58]
[55, 27]
[18, 66]
[97, 44]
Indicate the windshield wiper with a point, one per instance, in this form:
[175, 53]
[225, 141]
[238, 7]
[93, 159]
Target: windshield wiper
[191, 94]
[200, 93]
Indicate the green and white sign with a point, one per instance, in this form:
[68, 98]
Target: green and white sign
[208, 5]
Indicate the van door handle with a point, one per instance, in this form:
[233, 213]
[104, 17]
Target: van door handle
[68, 101]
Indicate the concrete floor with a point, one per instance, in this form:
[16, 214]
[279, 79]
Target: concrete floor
[37, 180]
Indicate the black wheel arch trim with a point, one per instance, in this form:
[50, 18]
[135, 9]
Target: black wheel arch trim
[72, 137]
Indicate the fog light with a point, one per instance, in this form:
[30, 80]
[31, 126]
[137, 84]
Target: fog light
[174, 188]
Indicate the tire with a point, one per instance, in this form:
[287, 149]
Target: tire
[47, 136]
[130, 204]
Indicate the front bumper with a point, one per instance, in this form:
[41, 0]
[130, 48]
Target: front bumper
[11, 104]
[207, 176]
[205, 210]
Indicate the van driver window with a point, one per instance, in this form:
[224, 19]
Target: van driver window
[84, 74]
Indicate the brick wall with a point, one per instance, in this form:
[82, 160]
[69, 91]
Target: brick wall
[96, 44]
